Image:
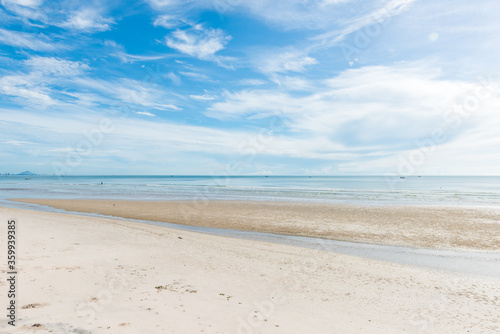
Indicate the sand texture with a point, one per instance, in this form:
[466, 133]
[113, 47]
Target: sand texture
[94, 275]
[414, 226]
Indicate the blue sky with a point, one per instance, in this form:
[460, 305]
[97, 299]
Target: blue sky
[232, 87]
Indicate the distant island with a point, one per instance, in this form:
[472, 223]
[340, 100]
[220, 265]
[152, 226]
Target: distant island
[27, 173]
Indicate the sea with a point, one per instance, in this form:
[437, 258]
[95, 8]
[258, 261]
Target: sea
[371, 190]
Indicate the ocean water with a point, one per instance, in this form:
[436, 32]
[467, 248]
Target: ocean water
[376, 190]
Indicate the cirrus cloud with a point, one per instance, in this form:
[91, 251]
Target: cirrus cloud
[198, 41]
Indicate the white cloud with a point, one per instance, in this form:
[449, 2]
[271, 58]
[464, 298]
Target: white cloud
[165, 3]
[319, 171]
[204, 97]
[145, 113]
[293, 14]
[168, 21]
[17, 142]
[250, 103]
[251, 82]
[113, 44]
[195, 75]
[36, 86]
[129, 91]
[378, 15]
[293, 83]
[63, 149]
[87, 99]
[129, 132]
[284, 62]
[364, 118]
[433, 37]
[198, 42]
[54, 66]
[87, 19]
[367, 116]
[338, 15]
[26, 9]
[176, 80]
[41, 86]
[128, 58]
[375, 109]
[25, 87]
[119, 51]
[129, 141]
[32, 96]
[29, 41]
[25, 3]
[263, 172]
[65, 14]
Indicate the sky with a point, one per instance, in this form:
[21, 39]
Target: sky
[250, 87]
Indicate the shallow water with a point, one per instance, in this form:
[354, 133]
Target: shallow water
[478, 263]
[375, 190]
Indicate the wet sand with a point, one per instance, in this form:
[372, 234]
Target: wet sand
[413, 226]
[80, 274]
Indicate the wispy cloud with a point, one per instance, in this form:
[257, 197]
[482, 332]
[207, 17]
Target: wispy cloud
[18, 142]
[293, 14]
[374, 106]
[88, 19]
[145, 113]
[378, 15]
[204, 97]
[25, 3]
[24, 40]
[282, 62]
[35, 86]
[128, 58]
[54, 66]
[129, 141]
[40, 86]
[251, 82]
[119, 51]
[72, 15]
[199, 42]
[25, 89]
[196, 76]
[168, 21]
[129, 91]
[176, 80]
[26, 9]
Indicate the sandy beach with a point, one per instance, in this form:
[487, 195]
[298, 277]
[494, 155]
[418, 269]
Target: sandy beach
[413, 226]
[95, 275]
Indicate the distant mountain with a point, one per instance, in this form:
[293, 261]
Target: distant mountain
[27, 173]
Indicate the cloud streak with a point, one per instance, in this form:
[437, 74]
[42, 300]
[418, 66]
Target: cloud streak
[198, 42]
[87, 19]
[24, 40]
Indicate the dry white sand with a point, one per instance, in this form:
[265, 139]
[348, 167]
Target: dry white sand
[92, 275]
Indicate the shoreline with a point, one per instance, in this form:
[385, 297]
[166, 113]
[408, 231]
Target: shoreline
[430, 227]
[468, 262]
[100, 275]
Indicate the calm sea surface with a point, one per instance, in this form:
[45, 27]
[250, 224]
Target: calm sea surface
[377, 190]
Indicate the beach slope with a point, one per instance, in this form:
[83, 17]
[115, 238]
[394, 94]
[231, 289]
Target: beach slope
[436, 227]
[95, 275]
